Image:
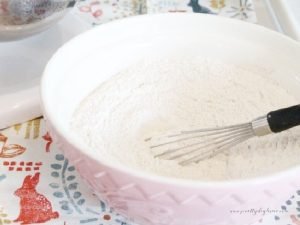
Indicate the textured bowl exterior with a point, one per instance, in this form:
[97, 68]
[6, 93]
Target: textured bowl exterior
[152, 203]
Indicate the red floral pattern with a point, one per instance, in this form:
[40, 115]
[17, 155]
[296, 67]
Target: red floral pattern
[48, 139]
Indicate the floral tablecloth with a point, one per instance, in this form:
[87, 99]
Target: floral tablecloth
[39, 185]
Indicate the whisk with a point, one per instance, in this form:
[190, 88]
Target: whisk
[193, 146]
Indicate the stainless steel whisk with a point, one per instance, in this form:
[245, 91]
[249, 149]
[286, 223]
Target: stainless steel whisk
[192, 146]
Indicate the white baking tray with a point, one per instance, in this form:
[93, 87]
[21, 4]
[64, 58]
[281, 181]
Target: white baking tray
[285, 16]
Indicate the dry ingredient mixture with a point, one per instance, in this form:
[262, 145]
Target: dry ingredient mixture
[158, 95]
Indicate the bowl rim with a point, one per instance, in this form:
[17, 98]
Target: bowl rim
[181, 182]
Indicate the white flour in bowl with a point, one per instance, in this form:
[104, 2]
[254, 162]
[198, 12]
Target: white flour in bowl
[158, 95]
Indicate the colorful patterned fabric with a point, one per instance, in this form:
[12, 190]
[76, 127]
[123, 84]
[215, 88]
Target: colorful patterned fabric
[39, 185]
[101, 11]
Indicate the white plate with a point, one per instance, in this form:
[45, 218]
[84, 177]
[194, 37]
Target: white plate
[22, 64]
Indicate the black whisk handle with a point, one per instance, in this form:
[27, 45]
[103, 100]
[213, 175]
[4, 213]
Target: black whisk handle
[284, 119]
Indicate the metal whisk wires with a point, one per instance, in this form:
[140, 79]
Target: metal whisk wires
[192, 146]
[195, 145]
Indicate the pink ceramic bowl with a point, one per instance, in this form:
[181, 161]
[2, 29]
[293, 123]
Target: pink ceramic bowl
[89, 59]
